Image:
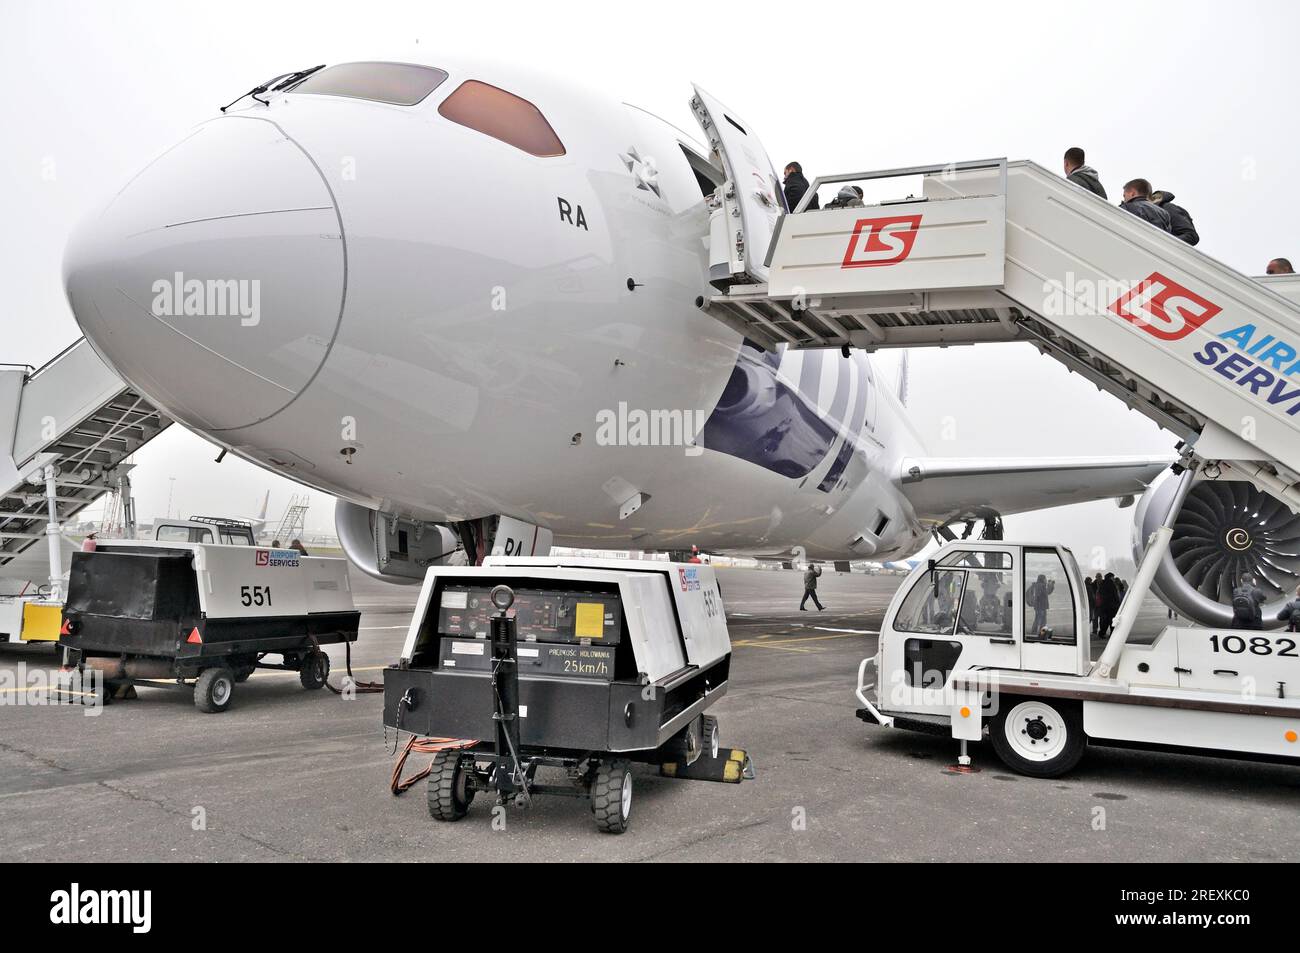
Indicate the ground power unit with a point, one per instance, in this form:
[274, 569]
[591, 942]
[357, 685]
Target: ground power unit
[142, 611]
[579, 667]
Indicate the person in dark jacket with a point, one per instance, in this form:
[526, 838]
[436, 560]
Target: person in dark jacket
[1091, 586]
[849, 197]
[1290, 613]
[1180, 222]
[1247, 600]
[1279, 266]
[1137, 199]
[795, 185]
[1037, 596]
[1082, 174]
[810, 577]
[1108, 600]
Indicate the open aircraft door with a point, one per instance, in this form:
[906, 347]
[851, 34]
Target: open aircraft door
[752, 200]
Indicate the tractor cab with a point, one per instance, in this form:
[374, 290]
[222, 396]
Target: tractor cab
[981, 605]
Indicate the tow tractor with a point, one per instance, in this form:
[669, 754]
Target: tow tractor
[994, 636]
[571, 667]
[159, 612]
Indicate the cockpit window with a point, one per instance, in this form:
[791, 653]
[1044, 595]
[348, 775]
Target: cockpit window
[401, 84]
[503, 116]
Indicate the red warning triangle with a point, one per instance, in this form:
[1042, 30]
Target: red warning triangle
[65, 630]
[195, 638]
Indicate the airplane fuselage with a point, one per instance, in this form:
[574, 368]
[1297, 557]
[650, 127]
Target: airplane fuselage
[446, 327]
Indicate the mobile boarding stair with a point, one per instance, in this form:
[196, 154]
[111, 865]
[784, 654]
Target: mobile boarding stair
[66, 429]
[992, 251]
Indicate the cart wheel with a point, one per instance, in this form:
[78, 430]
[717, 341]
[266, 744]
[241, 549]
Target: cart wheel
[611, 796]
[213, 689]
[687, 745]
[314, 671]
[104, 691]
[711, 736]
[450, 794]
[1037, 737]
[244, 672]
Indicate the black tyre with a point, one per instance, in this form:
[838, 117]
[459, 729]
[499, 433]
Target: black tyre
[213, 689]
[244, 672]
[711, 736]
[450, 793]
[687, 745]
[1038, 737]
[314, 671]
[105, 690]
[611, 796]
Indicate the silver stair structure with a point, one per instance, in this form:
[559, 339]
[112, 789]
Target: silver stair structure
[72, 414]
[991, 251]
[293, 525]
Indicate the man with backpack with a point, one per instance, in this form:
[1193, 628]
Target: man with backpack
[1247, 600]
[1036, 597]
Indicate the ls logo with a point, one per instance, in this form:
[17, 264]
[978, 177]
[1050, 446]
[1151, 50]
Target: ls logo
[1164, 308]
[881, 241]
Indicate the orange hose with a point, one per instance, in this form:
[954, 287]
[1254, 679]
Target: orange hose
[398, 784]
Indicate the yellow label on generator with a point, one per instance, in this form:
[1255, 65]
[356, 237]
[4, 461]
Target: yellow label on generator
[41, 622]
[589, 620]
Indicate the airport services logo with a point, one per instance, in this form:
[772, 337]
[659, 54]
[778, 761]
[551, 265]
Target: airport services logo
[690, 578]
[276, 557]
[881, 241]
[77, 906]
[1164, 309]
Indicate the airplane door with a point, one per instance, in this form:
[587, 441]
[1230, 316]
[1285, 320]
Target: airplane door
[751, 198]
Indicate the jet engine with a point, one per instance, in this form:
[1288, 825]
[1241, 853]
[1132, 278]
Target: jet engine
[391, 548]
[1226, 528]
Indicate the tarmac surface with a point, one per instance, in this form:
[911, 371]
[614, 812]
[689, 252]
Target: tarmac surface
[287, 774]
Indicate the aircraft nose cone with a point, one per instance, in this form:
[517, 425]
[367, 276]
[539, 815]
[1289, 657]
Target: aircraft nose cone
[214, 281]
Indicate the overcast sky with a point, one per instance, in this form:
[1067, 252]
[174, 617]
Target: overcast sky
[1197, 97]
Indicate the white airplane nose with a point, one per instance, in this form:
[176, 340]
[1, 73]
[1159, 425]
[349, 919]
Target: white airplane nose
[215, 280]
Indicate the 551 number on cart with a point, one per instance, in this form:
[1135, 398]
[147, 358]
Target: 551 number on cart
[255, 595]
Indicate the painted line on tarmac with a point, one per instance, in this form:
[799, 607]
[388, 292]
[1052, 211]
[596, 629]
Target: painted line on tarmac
[823, 628]
[42, 688]
[788, 645]
[768, 645]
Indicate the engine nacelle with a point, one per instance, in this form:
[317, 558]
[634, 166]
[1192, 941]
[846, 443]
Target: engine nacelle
[390, 548]
[1226, 528]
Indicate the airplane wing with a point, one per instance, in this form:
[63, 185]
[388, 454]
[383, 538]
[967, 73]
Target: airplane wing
[946, 490]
